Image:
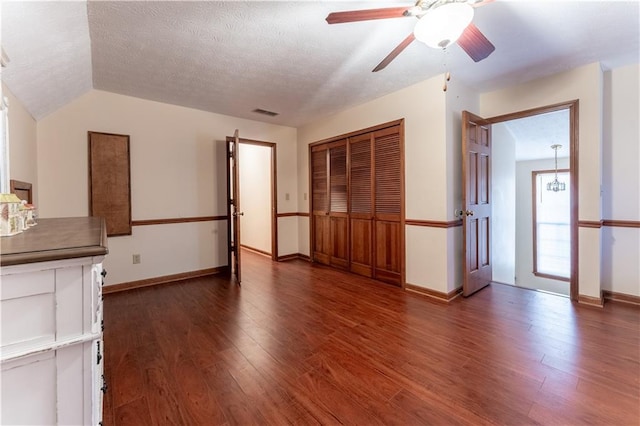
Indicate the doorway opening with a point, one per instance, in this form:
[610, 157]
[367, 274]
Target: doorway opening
[234, 195]
[535, 239]
[257, 197]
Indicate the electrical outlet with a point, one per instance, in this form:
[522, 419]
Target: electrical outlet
[136, 259]
[286, 196]
[305, 196]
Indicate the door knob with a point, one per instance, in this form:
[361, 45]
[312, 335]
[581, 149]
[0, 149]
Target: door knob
[236, 214]
[468, 213]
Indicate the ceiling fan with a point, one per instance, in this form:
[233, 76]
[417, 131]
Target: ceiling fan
[440, 24]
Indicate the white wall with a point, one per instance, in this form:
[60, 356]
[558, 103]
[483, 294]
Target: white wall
[255, 196]
[178, 170]
[503, 208]
[22, 143]
[585, 84]
[524, 227]
[621, 180]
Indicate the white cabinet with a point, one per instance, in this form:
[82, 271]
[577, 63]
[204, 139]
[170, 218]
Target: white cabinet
[51, 347]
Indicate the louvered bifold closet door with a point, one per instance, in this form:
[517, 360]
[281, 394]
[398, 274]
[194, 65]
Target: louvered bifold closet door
[361, 204]
[338, 197]
[388, 205]
[320, 204]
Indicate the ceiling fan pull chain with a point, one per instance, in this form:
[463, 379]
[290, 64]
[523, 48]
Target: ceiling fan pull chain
[447, 74]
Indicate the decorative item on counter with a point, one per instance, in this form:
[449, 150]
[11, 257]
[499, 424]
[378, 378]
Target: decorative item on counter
[22, 217]
[31, 214]
[10, 215]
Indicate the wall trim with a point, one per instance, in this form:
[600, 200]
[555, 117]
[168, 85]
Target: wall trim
[609, 222]
[596, 302]
[163, 279]
[294, 256]
[255, 250]
[621, 223]
[434, 223]
[433, 294]
[612, 296]
[550, 276]
[302, 214]
[590, 223]
[176, 220]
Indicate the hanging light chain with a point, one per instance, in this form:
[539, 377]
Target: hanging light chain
[556, 185]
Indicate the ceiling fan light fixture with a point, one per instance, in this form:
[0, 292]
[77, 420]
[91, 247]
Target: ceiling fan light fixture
[443, 25]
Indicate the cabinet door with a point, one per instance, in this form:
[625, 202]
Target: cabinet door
[29, 390]
[388, 205]
[360, 204]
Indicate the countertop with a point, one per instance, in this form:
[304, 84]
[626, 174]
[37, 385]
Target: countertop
[56, 239]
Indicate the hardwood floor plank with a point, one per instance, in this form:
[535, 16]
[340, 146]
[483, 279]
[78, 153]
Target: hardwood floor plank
[300, 343]
[238, 408]
[428, 412]
[135, 412]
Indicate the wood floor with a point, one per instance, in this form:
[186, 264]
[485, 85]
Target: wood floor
[304, 344]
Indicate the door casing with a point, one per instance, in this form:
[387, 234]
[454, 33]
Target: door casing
[573, 107]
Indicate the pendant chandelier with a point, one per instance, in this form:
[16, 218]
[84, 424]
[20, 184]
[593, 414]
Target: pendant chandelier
[556, 185]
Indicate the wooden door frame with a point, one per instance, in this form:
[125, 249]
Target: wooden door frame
[233, 201]
[573, 108]
[274, 193]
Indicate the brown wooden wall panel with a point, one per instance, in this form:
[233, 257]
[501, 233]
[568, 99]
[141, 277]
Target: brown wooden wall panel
[110, 181]
[24, 190]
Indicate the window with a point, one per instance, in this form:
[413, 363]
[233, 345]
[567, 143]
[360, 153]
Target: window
[551, 227]
[4, 146]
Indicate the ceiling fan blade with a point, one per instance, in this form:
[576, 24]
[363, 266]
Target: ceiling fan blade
[475, 43]
[366, 15]
[395, 52]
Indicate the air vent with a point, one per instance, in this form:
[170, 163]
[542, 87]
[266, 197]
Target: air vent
[265, 112]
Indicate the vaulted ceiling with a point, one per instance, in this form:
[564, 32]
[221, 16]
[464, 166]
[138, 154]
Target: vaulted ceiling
[232, 57]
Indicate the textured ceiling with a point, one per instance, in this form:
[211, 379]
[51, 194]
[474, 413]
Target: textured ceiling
[233, 57]
[534, 135]
[49, 53]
